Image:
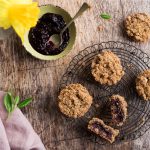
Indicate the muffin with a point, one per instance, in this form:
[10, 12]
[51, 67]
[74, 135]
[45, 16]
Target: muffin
[98, 127]
[138, 26]
[107, 68]
[74, 100]
[118, 106]
[143, 84]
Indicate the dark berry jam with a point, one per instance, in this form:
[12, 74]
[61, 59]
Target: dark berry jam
[97, 125]
[48, 25]
[117, 111]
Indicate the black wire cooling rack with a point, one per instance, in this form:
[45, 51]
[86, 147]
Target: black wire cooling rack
[134, 61]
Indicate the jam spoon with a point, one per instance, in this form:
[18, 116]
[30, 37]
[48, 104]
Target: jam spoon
[57, 38]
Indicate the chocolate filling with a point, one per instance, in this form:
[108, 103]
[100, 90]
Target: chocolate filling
[116, 109]
[102, 129]
[39, 36]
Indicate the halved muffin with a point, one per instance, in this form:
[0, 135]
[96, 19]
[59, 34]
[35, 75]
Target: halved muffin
[98, 127]
[118, 106]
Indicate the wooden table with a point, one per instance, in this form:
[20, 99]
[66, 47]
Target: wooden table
[27, 76]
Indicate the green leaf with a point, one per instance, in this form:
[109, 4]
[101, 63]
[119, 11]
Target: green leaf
[11, 102]
[9, 93]
[8, 102]
[12, 98]
[24, 103]
[105, 16]
[16, 100]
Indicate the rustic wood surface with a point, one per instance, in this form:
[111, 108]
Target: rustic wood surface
[27, 76]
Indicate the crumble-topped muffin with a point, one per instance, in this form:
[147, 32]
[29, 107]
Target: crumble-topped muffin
[107, 68]
[118, 106]
[143, 84]
[74, 100]
[138, 26]
[97, 126]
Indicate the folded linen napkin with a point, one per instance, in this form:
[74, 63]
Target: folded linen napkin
[17, 133]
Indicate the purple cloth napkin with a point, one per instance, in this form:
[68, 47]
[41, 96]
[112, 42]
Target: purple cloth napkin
[17, 133]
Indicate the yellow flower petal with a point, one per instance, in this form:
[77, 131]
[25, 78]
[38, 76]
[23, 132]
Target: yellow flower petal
[20, 1]
[20, 14]
[4, 22]
[21, 18]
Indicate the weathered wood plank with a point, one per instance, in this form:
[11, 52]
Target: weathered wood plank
[28, 76]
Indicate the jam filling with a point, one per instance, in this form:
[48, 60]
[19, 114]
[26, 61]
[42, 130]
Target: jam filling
[101, 128]
[116, 109]
[39, 36]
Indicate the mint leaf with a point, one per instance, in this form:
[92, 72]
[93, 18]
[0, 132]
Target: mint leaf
[8, 102]
[24, 103]
[16, 100]
[105, 16]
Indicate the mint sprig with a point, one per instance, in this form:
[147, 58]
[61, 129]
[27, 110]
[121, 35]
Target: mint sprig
[24, 103]
[105, 16]
[11, 103]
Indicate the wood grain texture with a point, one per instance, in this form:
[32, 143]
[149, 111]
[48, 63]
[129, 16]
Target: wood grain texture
[28, 76]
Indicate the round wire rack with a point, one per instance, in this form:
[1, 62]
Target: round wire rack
[133, 61]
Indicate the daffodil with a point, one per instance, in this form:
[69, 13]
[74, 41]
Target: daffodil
[19, 14]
